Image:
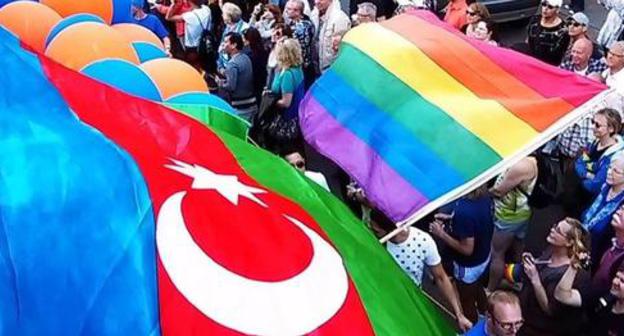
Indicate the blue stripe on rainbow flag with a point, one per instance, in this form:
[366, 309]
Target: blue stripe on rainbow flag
[68, 266]
[406, 160]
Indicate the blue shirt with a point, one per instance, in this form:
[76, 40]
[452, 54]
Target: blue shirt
[478, 329]
[473, 219]
[290, 81]
[153, 23]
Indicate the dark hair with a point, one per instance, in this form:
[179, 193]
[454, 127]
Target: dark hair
[275, 10]
[491, 27]
[382, 221]
[252, 35]
[286, 30]
[235, 38]
[614, 119]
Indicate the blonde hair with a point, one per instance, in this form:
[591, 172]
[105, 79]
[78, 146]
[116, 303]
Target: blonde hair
[578, 238]
[501, 296]
[289, 53]
[480, 9]
[232, 11]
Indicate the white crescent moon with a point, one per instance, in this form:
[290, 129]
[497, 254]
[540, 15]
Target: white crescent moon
[294, 306]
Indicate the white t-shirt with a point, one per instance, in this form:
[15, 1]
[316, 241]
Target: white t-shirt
[318, 178]
[195, 22]
[615, 80]
[414, 253]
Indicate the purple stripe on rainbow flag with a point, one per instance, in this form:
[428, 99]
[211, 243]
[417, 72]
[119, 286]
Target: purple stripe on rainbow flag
[388, 189]
[527, 69]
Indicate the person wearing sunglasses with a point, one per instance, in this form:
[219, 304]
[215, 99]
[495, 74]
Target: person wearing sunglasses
[476, 12]
[544, 314]
[547, 34]
[296, 160]
[592, 165]
[598, 299]
[614, 76]
[503, 317]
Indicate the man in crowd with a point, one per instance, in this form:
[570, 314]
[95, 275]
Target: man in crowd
[303, 31]
[503, 318]
[152, 23]
[614, 76]
[331, 24]
[414, 250]
[547, 35]
[581, 61]
[238, 83]
[366, 12]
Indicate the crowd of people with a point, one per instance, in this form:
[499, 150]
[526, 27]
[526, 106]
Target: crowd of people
[262, 56]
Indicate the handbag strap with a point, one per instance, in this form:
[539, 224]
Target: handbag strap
[200, 21]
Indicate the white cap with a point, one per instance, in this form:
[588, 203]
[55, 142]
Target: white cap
[555, 3]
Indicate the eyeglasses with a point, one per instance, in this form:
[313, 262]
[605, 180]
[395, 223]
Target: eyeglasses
[597, 124]
[508, 326]
[547, 5]
[471, 13]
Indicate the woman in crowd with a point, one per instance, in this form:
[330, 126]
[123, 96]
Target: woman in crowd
[476, 12]
[543, 313]
[484, 31]
[468, 236]
[597, 218]
[233, 20]
[592, 165]
[280, 31]
[259, 56]
[264, 19]
[288, 85]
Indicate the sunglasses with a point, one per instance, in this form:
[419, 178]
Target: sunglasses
[574, 23]
[547, 5]
[597, 124]
[471, 13]
[298, 164]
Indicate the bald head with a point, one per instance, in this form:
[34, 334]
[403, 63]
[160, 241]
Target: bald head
[581, 52]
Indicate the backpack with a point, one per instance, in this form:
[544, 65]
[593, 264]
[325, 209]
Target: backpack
[208, 45]
[549, 185]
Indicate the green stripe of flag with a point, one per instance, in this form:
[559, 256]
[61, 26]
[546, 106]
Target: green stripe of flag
[427, 122]
[394, 304]
[215, 118]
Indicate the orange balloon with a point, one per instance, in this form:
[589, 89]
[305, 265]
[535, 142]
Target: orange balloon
[30, 21]
[101, 8]
[82, 43]
[173, 76]
[136, 33]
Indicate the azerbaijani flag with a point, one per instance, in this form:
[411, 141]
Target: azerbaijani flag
[120, 216]
[417, 113]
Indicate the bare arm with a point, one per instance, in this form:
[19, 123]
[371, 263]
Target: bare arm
[170, 16]
[285, 101]
[538, 287]
[445, 286]
[464, 246]
[564, 292]
[521, 171]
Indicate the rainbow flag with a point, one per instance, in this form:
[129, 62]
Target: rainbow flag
[121, 216]
[418, 113]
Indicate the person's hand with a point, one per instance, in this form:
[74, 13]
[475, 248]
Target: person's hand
[581, 260]
[436, 228]
[529, 268]
[441, 216]
[336, 43]
[463, 323]
[257, 9]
